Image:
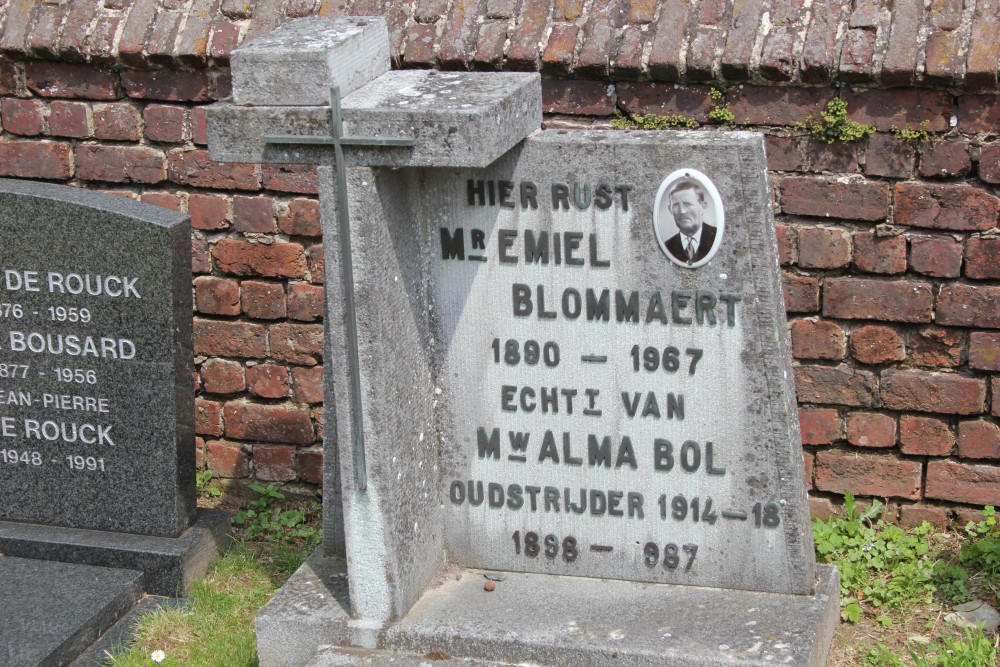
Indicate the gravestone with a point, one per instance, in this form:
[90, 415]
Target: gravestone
[96, 403]
[564, 422]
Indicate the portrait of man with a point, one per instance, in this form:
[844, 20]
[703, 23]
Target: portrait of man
[685, 218]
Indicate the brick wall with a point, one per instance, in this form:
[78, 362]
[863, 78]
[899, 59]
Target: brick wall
[889, 248]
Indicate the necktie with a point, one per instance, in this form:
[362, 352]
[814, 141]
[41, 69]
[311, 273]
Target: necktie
[690, 248]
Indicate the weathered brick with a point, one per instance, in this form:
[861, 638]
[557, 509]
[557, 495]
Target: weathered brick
[557, 59]
[787, 244]
[819, 53]
[268, 423]
[900, 107]
[69, 119]
[118, 121]
[8, 78]
[201, 258]
[297, 178]
[879, 475]
[979, 440]
[911, 516]
[942, 60]
[822, 248]
[801, 292]
[168, 85]
[865, 200]
[207, 417]
[808, 459]
[163, 200]
[208, 212]
[925, 436]
[628, 56]
[194, 168]
[568, 10]
[253, 214]
[989, 163]
[820, 426]
[784, 153]
[926, 391]
[35, 159]
[857, 55]
[590, 98]
[879, 254]
[263, 301]
[276, 260]
[982, 258]
[938, 257]
[945, 159]
[22, 116]
[225, 38]
[419, 44]
[867, 299]
[60, 79]
[823, 508]
[877, 344]
[835, 385]
[968, 306]
[101, 40]
[984, 50]
[817, 339]
[300, 217]
[310, 465]
[297, 343]
[217, 296]
[163, 35]
[871, 429]
[164, 123]
[978, 113]
[888, 156]
[984, 350]
[665, 50]
[902, 51]
[268, 380]
[120, 164]
[307, 384]
[665, 99]
[227, 459]
[747, 16]
[199, 132]
[597, 43]
[936, 347]
[836, 158]
[305, 302]
[528, 33]
[995, 391]
[213, 338]
[777, 58]
[963, 483]
[222, 376]
[317, 415]
[703, 44]
[274, 463]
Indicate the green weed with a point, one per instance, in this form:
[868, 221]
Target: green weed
[975, 650]
[834, 125]
[915, 136]
[626, 121]
[203, 480]
[720, 113]
[265, 518]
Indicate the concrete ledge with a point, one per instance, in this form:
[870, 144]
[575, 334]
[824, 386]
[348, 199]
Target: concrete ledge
[170, 564]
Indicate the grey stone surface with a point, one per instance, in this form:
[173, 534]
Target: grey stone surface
[96, 406]
[458, 119]
[298, 62]
[170, 564]
[52, 611]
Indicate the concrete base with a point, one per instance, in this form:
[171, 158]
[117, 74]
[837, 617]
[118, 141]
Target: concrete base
[550, 620]
[170, 564]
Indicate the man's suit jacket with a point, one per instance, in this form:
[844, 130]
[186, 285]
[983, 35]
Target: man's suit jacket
[675, 245]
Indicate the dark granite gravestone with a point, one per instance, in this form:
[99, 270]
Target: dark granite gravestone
[557, 359]
[96, 407]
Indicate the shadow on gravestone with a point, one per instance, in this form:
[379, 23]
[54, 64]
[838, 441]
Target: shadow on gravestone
[564, 422]
[97, 488]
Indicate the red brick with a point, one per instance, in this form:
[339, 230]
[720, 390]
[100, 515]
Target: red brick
[703, 44]
[746, 19]
[253, 214]
[819, 53]
[982, 258]
[995, 391]
[876, 344]
[900, 107]
[787, 243]
[984, 50]
[222, 376]
[297, 343]
[316, 266]
[942, 61]
[664, 99]
[229, 339]
[557, 59]
[227, 459]
[317, 415]
[199, 133]
[783, 153]
[22, 116]
[836, 158]
[488, 53]
[879, 475]
[963, 483]
[217, 296]
[120, 164]
[8, 78]
[307, 384]
[429, 11]
[871, 429]
[118, 122]
[101, 40]
[817, 339]
[978, 440]
[590, 98]
[163, 200]
[173, 86]
[419, 44]
[201, 258]
[945, 159]
[808, 459]
[835, 385]
[297, 178]
[207, 417]
[820, 426]
[925, 391]
[777, 61]
[567, 10]
[268, 380]
[194, 168]
[963, 515]
[823, 508]
[984, 350]
[274, 463]
[69, 119]
[208, 212]
[903, 49]
[310, 465]
[277, 260]
[225, 38]
[599, 40]
[911, 516]
[35, 159]
[957, 207]
[868, 299]
[628, 56]
[268, 423]
[857, 55]
[989, 163]
[300, 217]
[801, 293]
[59, 79]
[665, 50]
[978, 113]
[938, 257]
[164, 123]
[969, 306]
[263, 301]
[523, 52]
[821, 248]
[888, 156]
[936, 347]
[925, 436]
[879, 254]
[305, 302]
[865, 200]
